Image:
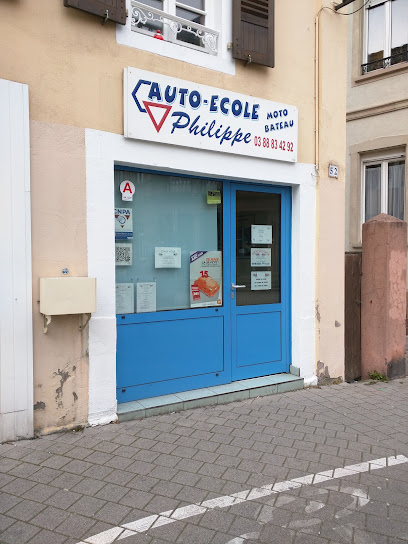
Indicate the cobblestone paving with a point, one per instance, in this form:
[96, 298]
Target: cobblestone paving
[75, 486]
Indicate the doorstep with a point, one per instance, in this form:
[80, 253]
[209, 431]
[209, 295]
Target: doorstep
[219, 394]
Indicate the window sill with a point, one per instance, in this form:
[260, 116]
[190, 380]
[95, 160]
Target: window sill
[381, 73]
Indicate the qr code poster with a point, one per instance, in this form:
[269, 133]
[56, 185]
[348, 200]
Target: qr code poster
[123, 223]
[123, 254]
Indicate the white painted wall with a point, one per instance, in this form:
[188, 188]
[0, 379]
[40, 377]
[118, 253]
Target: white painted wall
[16, 337]
[103, 151]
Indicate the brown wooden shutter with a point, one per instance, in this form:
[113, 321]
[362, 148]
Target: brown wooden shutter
[253, 28]
[116, 8]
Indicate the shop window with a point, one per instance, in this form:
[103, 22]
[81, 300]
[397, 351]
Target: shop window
[384, 187]
[386, 34]
[168, 243]
[188, 22]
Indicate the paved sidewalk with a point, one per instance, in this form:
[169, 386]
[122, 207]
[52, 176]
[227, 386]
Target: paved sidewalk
[260, 470]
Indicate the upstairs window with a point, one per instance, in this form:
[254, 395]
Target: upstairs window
[384, 187]
[386, 34]
[188, 22]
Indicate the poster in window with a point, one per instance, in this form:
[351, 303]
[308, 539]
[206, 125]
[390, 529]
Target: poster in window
[167, 257]
[123, 224]
[146, 297]
[205, 278]
[125, 301]
[261, 234]
[260, 281]
[260, 256]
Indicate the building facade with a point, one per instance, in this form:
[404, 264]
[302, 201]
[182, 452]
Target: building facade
[189, 157]
[377, 114]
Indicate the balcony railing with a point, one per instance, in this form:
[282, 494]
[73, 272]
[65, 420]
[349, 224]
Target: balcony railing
[145, 15]
[386, 62]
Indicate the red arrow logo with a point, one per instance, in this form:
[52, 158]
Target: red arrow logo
[153, 109]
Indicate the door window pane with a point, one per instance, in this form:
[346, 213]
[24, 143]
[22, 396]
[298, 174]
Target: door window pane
[376, 35]
[167, 212]
[372, 191]
[254, 209]
[396, 189]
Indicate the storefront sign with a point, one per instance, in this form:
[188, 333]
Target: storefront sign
[260, 256]
[146, 297]
[260, 281]
[173, 111]
[205, 278]
[167, 257]
[123, 223]
[261, 234]
[125, 301]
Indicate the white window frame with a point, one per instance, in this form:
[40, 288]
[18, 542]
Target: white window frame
[383, 159]
[387, 24]
[218, 19]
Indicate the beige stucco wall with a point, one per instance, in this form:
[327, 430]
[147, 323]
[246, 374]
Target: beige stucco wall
[74, 69]
[330, 210]
[58, 241]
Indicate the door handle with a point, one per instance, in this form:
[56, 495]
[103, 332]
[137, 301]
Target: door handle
[237, 286]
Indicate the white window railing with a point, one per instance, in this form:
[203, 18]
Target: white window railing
[147, 20]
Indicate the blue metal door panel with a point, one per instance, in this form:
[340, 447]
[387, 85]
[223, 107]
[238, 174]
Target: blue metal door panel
[259, 338]
[167, 351]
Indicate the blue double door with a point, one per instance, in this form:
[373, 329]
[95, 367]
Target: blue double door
[248, 336]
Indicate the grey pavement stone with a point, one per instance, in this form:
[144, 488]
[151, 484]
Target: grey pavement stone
[63, 499]
[119, 477]
[75, 526]
[48, 537]
[112, 492]
[5, 522]
[88, 486]
[50, 518]
[19, 533]
[112, 513]
[8, 501]
[25, 510]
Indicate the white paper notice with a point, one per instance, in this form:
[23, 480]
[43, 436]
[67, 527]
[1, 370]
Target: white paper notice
[261, 234]
[167, 257]
[125, 298]
[146, 297]
[260, 281]
[260, 256]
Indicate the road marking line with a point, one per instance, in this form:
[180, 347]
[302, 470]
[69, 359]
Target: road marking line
[164, 518]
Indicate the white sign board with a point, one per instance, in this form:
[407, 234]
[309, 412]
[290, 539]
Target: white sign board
[125, 298]
[146, 297]
[173, 111]
[261, 234]
[127, 189]
[260, 256]
[123, 223]
[167, 257]
[205, 278]
[260, 281]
